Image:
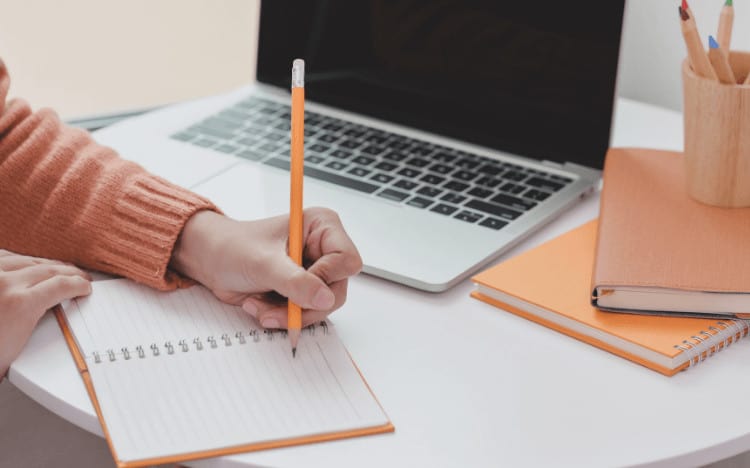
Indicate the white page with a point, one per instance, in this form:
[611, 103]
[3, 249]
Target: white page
[195, 400]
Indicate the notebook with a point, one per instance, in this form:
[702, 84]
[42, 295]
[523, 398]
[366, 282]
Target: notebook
[177, 376]
[660, 251]
[447, 125]
[549, 285]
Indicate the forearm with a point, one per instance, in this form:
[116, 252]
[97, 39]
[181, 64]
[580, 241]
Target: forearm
[64, 196]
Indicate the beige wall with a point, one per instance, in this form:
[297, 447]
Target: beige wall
[84, 57]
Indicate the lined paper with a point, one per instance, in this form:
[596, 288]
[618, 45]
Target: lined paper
[191, 399]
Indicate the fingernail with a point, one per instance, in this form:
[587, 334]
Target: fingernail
[270, 323]
[250, 308]
[323, 299]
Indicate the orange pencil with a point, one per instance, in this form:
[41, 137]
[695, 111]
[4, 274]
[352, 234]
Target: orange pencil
[720, 62]
[698, 57]
[726, 21]
[296, 171]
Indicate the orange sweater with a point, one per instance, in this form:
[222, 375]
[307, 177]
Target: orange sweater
[65, 197]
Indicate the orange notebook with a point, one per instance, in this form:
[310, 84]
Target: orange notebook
[658, 250]
[177, 376]
[550, 285]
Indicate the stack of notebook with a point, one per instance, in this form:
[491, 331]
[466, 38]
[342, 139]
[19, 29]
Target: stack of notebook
[671, 273]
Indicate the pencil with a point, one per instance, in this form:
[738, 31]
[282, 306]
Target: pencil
[697, 55]
[296, 171]
[726, 21]
[720, 62]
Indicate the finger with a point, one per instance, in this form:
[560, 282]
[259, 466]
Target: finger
[329, 250]
[16, 262]
[37, 273]
[272, 313]
[300, 286]
[52, 291]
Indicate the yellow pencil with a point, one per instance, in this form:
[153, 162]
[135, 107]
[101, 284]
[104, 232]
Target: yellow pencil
[720, 62]
[726, 21]
[697, 55]
[296, 171]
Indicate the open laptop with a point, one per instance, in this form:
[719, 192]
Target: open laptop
[441, 132]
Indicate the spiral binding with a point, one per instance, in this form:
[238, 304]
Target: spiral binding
[184, 345]
[705, 344]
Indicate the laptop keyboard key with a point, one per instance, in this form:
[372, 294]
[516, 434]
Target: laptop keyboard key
[341, 154]
[363, 160]
[467, 164]
[205, 142]
[512, 188]
[336, 165]
[514, 176]
[441, 168]
[417, 162]
[537, 195]
[468, 216]
[393, 195]
[406, 184]
[420, 202]
[251, 155]
[226, 148]
[544, 184]
[395, 156]
[351, 144]
[480, 192]
[386, 166]
[184, 136]
[373, 150]
[383, 178]
[409, 172]
[491, 208]
[453, 198]
[213, 132]
[432, 179]
[488, 182]
[314, 159]
[429, 191]
[456, 186]
[490, 169]
[444, 209]
[319, 148]
[359, 171]
[465, 175]
[493, 223]
[444, 157]
[513, 202]
[337, 179]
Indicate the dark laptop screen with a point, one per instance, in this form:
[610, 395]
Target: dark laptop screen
[536, 78]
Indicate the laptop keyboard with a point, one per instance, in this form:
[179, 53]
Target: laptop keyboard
[465, 186]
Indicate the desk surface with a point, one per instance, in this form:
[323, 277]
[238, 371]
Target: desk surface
[480, 387]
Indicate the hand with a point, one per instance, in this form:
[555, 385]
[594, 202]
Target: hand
[246, 263]
[28, 287]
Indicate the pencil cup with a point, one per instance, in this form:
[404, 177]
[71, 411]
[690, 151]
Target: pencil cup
[717, 136]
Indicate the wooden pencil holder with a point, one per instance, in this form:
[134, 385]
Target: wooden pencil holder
[717, 136]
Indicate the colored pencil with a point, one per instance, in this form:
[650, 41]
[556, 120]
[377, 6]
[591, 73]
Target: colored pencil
[720, 62]
[296, 170]
[697, 55]
[726, 21]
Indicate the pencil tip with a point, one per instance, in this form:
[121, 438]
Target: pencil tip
[683, 13]
[712, 42]
[294, 352]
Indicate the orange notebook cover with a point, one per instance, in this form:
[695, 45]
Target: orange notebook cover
[550, 285]
[226, 387]
[660, 251]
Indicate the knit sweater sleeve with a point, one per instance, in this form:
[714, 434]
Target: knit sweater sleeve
[63, 196]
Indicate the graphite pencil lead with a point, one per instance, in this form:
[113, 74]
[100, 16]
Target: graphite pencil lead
[294, 352]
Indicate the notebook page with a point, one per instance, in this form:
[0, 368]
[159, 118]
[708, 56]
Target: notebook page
[244, 390]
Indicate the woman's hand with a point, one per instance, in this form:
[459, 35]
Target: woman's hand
[28, 287]
[246, 263]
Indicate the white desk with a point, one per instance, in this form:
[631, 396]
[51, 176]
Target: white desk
[467, 384]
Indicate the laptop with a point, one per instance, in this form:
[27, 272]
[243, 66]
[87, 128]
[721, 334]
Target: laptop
[442, 133]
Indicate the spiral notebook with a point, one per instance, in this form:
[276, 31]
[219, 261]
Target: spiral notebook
[176, 376]
[550, 285]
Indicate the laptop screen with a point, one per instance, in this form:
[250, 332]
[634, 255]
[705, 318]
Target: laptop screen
[535, 78]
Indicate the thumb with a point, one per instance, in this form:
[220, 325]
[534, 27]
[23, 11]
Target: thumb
[300, 286]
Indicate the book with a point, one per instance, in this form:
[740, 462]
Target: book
[177, 376]
[658, 250]
[549, 285]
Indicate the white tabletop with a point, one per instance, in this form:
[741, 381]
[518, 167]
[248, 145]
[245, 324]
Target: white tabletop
[466, 384]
